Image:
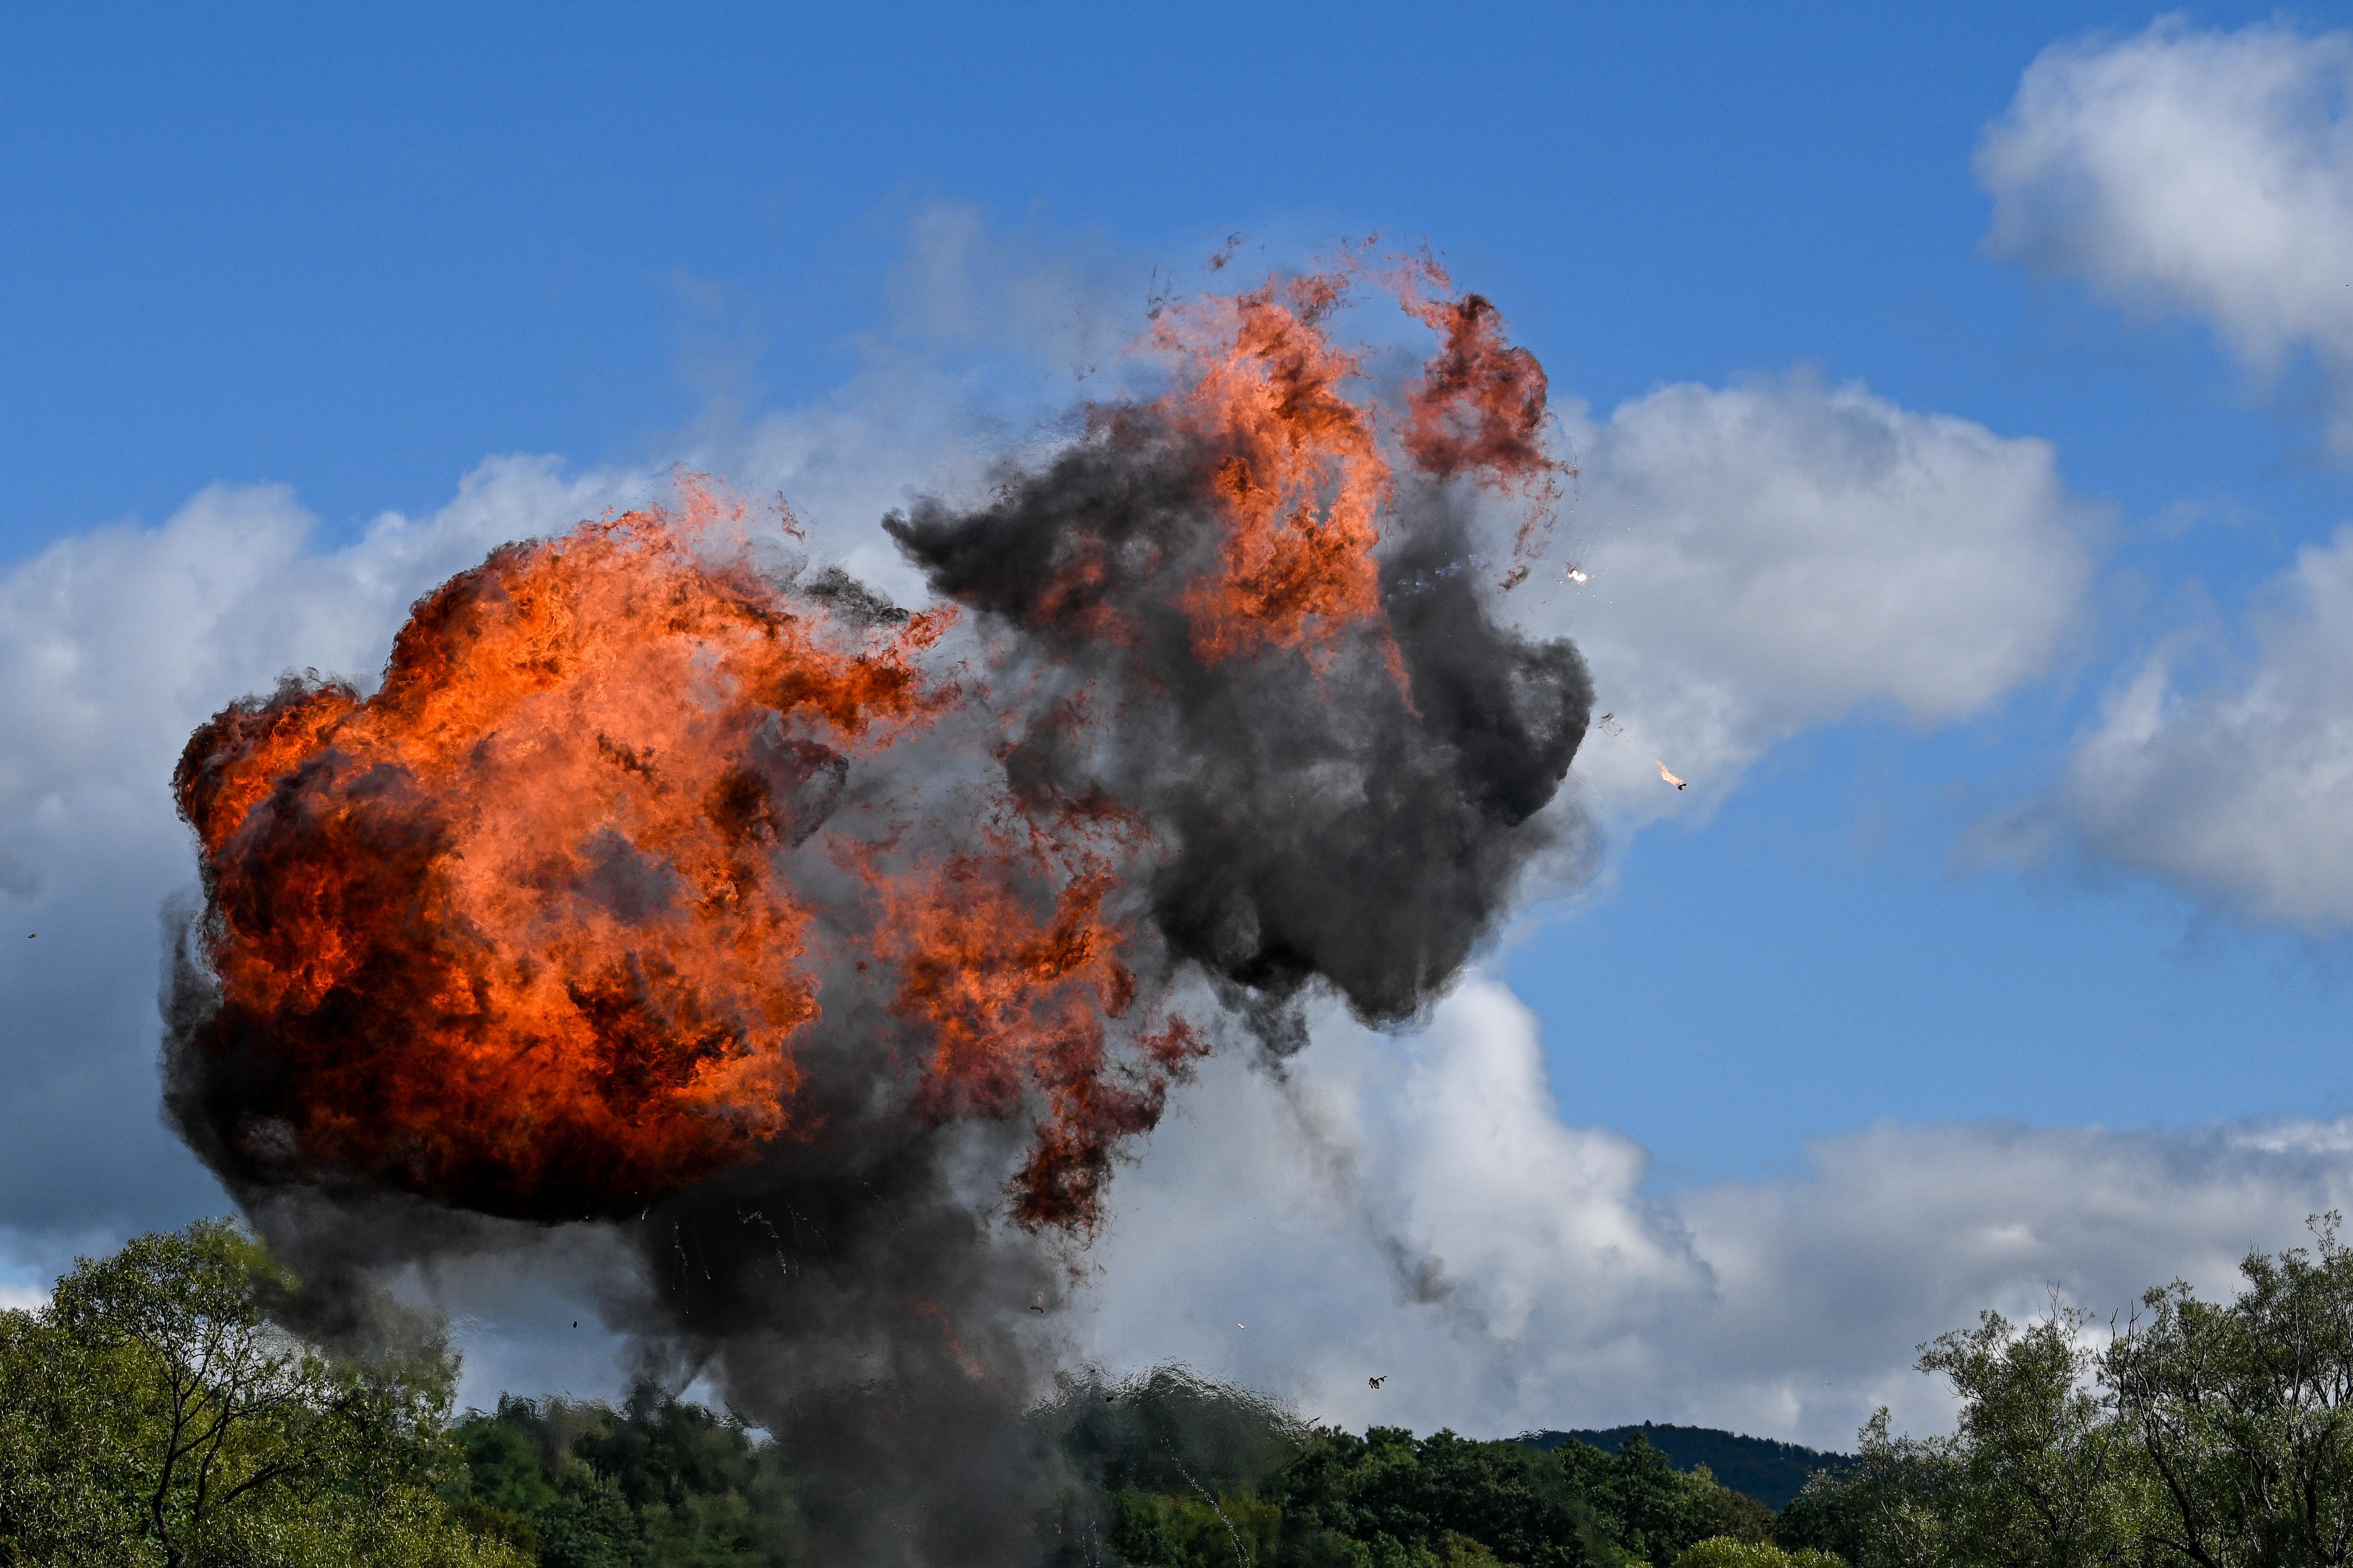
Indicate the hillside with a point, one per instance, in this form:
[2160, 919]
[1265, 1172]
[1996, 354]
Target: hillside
[1768, 1471]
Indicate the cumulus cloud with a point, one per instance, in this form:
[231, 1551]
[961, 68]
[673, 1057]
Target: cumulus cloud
[1770, 557]
[1575, 1297]
[2192, 171]
[2230, 777]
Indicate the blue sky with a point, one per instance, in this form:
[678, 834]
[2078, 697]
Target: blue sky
[357, 255]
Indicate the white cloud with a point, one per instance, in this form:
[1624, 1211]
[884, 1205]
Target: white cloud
[2211, 174]
[1787, 1308]
[2237, 787]
[1771, 557]
[2186, 170]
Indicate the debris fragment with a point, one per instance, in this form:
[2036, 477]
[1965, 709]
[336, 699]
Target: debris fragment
[1376, 1382]
[1608, 724]
[1514, 577]
[1573, 574]
[1666, 775]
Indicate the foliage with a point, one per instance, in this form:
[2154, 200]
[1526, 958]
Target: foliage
[2244, 1412]
[1731, 1552]
[2213, 1435]
[156, 1411]
[1832, 1516]
[657, 1483]
[1168, 1431]
[1388, 1491]
[1152, 1530]
[2037, 1475]
[1773, 1473]
[1328, 1498]
[1654, 1511]
[159, 1410]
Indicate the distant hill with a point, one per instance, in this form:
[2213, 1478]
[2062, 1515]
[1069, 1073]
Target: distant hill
[1768, 1471]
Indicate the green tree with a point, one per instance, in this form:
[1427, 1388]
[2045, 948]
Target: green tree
[2037, 1473]
[1154, 1530]
[658, 1483]
[1831, 1515]
[2207, 1434]
[155, 1411]
[1390, 1496]
[2242, 1412]
[1652, 1511]
[1731, 1552]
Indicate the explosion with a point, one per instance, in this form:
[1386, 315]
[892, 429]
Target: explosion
[667, 883]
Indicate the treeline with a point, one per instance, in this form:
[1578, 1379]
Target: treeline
[1323, 1497]
[1162, 1469]
[181, 1404]
[1769, 1471]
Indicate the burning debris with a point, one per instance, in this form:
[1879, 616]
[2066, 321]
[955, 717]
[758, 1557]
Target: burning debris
[1609, 725]
[661, 887]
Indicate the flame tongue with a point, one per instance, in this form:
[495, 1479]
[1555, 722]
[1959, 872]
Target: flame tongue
[1297, 473]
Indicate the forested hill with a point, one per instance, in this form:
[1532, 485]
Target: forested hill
[1768, 1471]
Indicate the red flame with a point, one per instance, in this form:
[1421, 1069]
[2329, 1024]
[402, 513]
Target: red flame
[1299, 470]
[1480, 405]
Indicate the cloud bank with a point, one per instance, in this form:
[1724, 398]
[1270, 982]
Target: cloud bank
[2231, 775]
[1771, 557]
[1571, 1295]
[2202, 172]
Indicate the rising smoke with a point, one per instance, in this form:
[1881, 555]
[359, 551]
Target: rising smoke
[830, 954]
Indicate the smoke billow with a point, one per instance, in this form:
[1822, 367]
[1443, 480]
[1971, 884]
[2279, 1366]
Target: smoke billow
[830, 954]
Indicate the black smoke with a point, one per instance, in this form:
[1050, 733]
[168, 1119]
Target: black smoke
[1317, 821]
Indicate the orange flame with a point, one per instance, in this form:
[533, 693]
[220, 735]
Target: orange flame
[1298, 470]
[526, 930]
[513, 922]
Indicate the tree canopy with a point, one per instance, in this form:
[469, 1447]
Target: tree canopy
[157, 1411]
[2200, 1434]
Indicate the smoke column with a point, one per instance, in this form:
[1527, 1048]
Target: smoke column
[828, 952]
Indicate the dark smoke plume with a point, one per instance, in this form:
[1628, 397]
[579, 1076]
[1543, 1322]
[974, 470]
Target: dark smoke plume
[727, 909]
